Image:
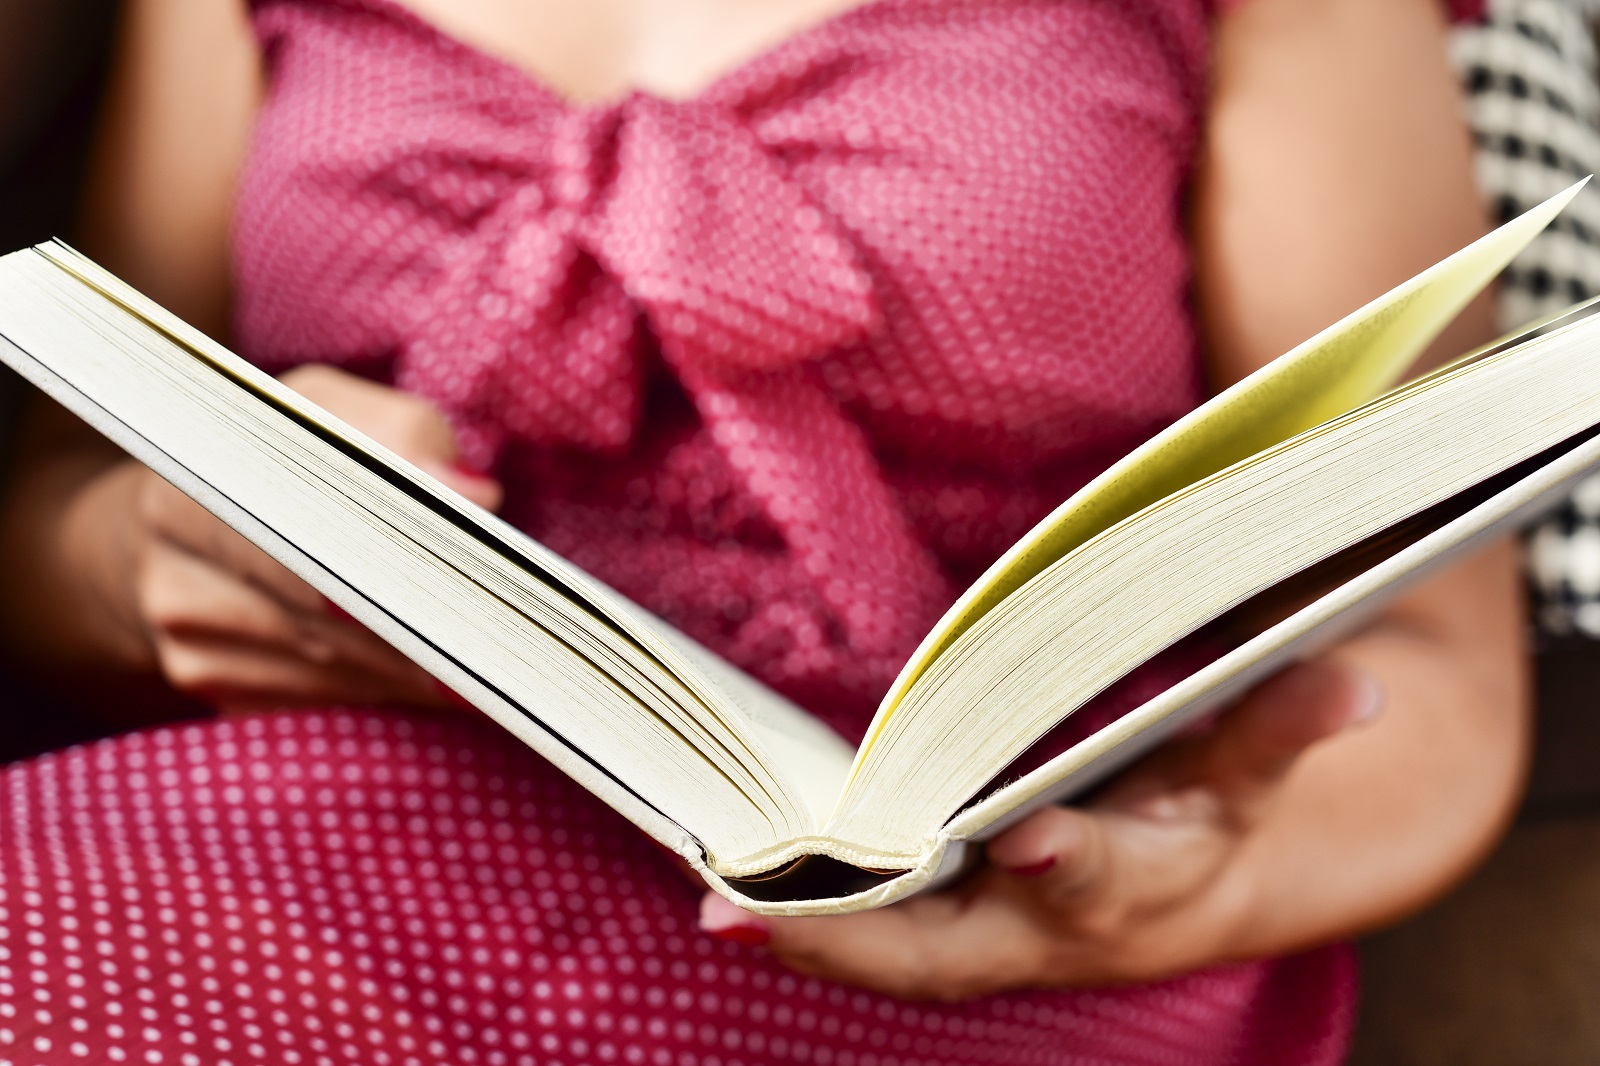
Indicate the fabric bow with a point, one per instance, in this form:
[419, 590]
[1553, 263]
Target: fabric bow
[675, 217]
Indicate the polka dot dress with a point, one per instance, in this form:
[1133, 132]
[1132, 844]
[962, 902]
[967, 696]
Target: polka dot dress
[789, 363]
[363, 889]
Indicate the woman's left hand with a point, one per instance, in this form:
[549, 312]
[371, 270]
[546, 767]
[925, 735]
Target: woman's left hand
[1153, 878]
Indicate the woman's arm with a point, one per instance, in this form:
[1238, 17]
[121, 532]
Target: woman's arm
[1338, 165]
[185, 85]
[103, 566]
[1344, 792]
[178, 108]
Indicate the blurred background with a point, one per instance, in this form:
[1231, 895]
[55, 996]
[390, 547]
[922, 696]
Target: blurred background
[53, 59]
[1507, 969]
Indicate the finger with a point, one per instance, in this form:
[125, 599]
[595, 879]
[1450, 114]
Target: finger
[240, 675]
[182, 594]
[1096, 873]
[173, 517]
[1256, 743]
[728, 921]
[407, 425]
[186, 597]
[1068, 847]
[930, 947]
[205, 578]
[352, 644]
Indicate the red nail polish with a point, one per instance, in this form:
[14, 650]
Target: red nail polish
[1034, 869]
[461, 466]
[749, 935]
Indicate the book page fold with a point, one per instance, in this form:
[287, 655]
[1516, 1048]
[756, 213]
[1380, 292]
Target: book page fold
[1346, 365]
[1301, 635]
[562, 756]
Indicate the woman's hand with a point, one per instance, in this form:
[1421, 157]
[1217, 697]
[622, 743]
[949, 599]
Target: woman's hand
[179, 591]
[1301, 817]
[1155, 877]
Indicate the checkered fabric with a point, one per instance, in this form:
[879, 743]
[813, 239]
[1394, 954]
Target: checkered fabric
[1533, 79]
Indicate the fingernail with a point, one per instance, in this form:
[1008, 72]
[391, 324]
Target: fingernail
[1033, 869]
[753, 936]
[337, 611]
[461, 466]
[722, 919]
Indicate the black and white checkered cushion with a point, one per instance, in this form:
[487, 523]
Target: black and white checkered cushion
[1533, 82]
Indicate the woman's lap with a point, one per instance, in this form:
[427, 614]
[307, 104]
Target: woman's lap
[354, 887]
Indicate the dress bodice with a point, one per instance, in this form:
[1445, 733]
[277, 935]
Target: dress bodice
[789, 362]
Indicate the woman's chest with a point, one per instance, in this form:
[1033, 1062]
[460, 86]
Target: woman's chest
[600, 50]
[965, 213]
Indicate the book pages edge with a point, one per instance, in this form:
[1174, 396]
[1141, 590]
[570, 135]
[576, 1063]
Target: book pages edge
[652, 822]
[1320, 623]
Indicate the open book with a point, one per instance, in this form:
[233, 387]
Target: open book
[1298, 497]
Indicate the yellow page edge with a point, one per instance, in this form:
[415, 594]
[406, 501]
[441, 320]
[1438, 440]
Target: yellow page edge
[1197, 444]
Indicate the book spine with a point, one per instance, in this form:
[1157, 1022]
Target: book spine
[349, 599]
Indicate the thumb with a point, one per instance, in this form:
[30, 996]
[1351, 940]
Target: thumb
[1257, 741]
[1064, 847]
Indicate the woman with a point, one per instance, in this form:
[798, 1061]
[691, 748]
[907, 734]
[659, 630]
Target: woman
[659, 273]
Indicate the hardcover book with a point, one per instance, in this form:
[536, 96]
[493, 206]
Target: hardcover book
[1279, 513]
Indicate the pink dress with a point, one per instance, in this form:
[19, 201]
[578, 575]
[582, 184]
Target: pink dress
[788, 363]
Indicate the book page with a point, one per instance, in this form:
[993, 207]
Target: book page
[1300, 635]
[1346, 365]
[561, 656]
[1132, 591]
[812, 760]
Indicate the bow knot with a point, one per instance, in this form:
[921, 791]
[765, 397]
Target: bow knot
[676, 215]
[673, 210]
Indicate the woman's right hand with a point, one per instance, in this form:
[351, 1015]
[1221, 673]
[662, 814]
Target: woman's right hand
[179, 591]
